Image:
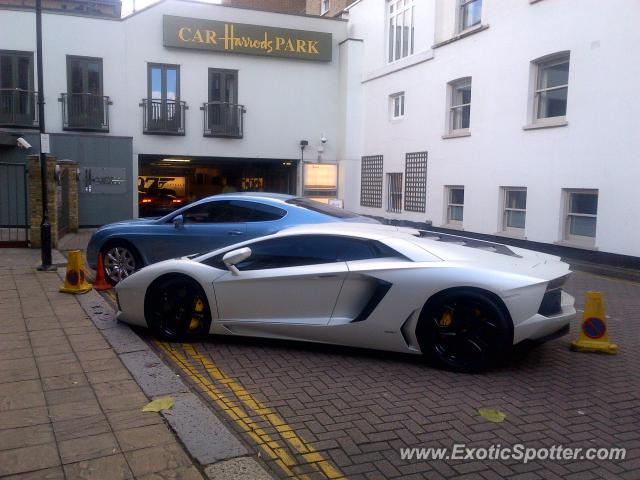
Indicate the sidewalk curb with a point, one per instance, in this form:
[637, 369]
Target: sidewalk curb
[203, 434]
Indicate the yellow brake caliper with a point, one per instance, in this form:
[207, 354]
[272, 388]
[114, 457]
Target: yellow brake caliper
[195, 320]
[446, 319]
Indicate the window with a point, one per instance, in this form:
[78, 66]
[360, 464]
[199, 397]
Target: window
[224, 114]
[320, 207]
[401, 18]
[84, 104]
[394, 192]
[371, 181]
[17, 97]
[235, 211]
[460, 105]
[514, 210]
[302, 250]
[397, 105]
[552, 87]
[581, 213]
[455, 205]
[470, 14]
[415, 182]
[324, 7]
[165, 111]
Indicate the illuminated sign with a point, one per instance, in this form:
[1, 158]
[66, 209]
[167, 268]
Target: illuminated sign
[230, 37]
[147, 183]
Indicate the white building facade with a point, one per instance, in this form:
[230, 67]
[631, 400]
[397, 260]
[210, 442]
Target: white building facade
[506, 118]
[522, 109]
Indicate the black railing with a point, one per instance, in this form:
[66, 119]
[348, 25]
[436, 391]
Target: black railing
[85, 111]
[18, 108]
[223, 119]
[163, 117]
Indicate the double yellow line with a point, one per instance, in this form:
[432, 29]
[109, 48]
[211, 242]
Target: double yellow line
[235, 401]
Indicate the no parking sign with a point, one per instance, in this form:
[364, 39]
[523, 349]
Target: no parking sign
[594, 328]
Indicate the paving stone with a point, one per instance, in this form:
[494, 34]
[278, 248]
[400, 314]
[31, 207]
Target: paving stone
[157, 459]
[155, 378]
[27, 459]
[122, 420]
[205, 436]
[55, 473]
[113, 467]
[74, 410]
[114, 403]
[243, 468]
[124, 340]
[144, 437]
[26, 436]
[81, 427]
[64, 381]
[69, 395]
[88, 447]
[21, 400]
[23, 418]
[186, 473]
[116, 373]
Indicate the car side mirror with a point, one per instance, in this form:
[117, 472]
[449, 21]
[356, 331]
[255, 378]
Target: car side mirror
[178, 221]
[233, 257]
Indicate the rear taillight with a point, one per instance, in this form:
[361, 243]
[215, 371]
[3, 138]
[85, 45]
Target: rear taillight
[176, 200]
[146, 200]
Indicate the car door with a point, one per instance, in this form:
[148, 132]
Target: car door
[205, 226]
[294, 279]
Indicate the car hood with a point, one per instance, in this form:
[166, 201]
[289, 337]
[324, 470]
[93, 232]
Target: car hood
[133, 221]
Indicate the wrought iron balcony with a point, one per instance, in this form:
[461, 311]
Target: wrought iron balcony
[223, 119]
[18, 108]
[85, 111]
[163, 117]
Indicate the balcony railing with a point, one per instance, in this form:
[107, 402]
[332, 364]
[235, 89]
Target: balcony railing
[18, 108]
[163, 117]
[223, 119]
[85, 111]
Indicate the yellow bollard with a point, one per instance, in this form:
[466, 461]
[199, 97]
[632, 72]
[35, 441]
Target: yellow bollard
[75, 281]
[594, 336]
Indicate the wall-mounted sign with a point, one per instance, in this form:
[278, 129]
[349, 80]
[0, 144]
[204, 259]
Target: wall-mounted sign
[103, 180]
[232, 37]
[320, 180]
[147, 183]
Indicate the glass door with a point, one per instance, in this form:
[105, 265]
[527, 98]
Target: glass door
[164, 98]
[85, 106]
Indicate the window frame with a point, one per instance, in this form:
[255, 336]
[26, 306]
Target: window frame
[396, 9]
[449, 221]
[394, 196]
[452, 87]
[567, 236]
[462, 5]
[15, 54]
[325, 6]
[163, 81]
[539, 65]
[397, 100]
[505, 209]
[85, 61]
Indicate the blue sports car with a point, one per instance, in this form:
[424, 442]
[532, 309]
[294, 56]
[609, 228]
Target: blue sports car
[203, 226]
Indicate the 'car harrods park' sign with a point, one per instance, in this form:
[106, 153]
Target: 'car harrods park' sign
[232, 37]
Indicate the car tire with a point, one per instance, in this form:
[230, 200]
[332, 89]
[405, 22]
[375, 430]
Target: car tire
[120, 259]
[177, 309]
[465, 330]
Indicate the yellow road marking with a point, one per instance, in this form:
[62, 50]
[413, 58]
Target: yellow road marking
[307, 452]
[269, 446]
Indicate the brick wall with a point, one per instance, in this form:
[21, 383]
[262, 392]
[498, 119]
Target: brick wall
[335, 7]
[285, 6]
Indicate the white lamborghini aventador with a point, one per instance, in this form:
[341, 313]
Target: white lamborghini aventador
[461, 302]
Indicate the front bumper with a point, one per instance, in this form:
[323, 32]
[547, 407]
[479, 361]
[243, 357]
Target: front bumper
[538, 327]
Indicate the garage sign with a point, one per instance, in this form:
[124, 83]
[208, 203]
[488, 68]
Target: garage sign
[230, 37]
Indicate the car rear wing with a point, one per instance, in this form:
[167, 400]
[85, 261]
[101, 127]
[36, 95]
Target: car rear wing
[468, 242]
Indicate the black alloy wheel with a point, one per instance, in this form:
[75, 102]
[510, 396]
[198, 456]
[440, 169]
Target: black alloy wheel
[465, 331]
[177, 310]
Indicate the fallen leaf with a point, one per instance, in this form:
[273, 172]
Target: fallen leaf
[162, 403]
[492, 415]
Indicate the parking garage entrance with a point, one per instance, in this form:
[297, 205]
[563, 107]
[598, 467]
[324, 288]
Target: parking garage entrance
[167, 182]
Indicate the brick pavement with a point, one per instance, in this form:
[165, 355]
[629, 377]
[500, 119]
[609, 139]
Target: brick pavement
[68, 407]
[358, 408]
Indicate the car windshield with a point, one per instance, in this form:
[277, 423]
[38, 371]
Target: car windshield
[322, 208]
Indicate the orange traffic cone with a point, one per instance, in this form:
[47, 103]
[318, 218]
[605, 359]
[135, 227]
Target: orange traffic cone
[100, 282]
[75, 281]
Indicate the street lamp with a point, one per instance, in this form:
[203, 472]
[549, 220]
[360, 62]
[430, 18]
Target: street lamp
[45, 226]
